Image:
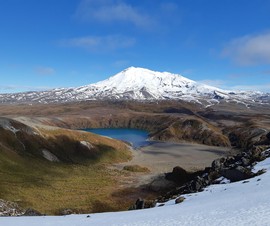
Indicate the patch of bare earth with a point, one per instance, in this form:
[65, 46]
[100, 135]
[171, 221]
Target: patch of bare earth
[162, 157]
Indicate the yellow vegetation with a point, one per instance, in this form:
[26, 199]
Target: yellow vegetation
[83, 185]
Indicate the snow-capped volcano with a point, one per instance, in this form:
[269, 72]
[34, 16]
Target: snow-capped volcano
[139, 84]
[138, 79]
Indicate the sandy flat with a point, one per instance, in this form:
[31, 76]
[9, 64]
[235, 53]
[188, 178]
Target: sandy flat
[162, 157]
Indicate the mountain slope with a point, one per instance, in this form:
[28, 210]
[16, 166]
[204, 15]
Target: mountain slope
[140, 84]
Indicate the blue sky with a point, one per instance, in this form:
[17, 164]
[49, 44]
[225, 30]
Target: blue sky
[46, 44]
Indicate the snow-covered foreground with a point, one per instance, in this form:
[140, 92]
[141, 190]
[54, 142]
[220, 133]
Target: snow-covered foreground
[240, 203]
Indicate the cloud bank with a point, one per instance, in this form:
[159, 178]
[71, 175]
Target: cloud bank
[249, 50]
[263, 88]
[100, 43]
[110, 11]
[44, 70]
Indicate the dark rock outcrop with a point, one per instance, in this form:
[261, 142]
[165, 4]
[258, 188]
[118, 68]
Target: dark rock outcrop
[218, 164]
[237, 174]
[139, 204]
[179, 200]
[32, 212]
[234, 168]
[178, 175]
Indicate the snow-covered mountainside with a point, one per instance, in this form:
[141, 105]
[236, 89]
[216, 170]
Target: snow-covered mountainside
[140, 84]
[240, 203]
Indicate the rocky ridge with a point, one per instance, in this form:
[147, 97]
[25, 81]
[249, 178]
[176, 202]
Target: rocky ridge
[224, 170]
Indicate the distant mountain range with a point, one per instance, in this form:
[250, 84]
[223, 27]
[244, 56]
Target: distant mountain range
[143, 85]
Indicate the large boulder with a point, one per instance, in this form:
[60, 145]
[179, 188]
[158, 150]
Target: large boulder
[268, 136]
[178, 175]
[217, 164]
[179, 200]
[32, 212]
[237, 174]
[139, 204]
[198, 184]
[265, 154]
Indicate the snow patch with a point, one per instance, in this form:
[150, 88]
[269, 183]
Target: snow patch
[49, 156]
[223, 180]
[86, 144]
[5, 124]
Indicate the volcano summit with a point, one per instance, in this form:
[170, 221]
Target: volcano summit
[143, 85]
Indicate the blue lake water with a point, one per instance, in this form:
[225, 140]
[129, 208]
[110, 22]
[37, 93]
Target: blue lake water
[136, 137]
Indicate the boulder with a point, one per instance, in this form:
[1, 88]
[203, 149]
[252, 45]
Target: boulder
[265, 154]
[245, 161]
[237, 174]
[178, 175]
[66, 212]
[268, 136]
[257, 153]
[179, 200]
[198, 184]
[213, 175]
[150, 203]
[32, 212]
[218, 164]
[229, 161]
[139, 204]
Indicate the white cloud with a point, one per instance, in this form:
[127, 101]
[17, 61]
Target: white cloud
[249, 50]
[44, 70]
[222, 84]
[110, 11]
[261, 87]
[226, 85]
[120, 63]
[18, 88]
[100, 43]
[216, 83]
[7, 87]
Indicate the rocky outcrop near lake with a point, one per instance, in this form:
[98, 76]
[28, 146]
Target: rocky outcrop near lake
[223, 170]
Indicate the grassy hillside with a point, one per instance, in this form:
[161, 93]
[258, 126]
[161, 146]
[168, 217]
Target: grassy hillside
[79, 179]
